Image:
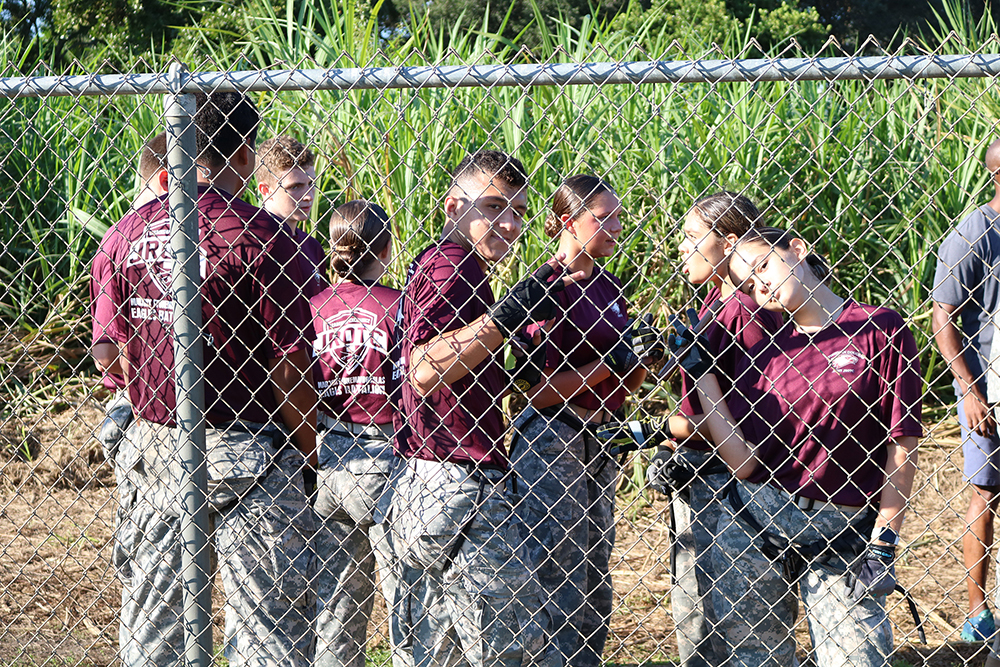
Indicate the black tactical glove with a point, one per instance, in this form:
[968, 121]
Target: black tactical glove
[647, 341]
[622, 357]
[528, 301]
[529, 360]
[873, 574]
[691, 352]
[657, 473]
[624, 437]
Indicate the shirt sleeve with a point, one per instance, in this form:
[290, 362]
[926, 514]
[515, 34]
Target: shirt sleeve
[284, 311]
[439, 294]
[104, 305]
[960, 268]
[901, 383]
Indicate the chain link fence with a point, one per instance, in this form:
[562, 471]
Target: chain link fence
[872, 161]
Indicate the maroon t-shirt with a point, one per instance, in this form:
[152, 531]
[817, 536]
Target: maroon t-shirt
[823, 407]
[252, 307]
[739, 325]
[355, 348]
[315, 257]
[595, 315]
[446, 289]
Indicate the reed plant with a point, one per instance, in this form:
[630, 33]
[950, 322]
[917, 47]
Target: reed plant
[874, 173]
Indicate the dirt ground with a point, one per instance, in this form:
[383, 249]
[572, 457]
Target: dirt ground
[60, 596]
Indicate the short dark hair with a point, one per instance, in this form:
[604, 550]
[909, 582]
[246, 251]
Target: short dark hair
[495, 164]
[728, 213]
[573, 197]
[223, 122]
[279, 154]
[359, 231]
[153, 157]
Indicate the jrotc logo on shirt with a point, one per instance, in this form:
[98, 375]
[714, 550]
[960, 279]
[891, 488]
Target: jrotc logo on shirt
[152, 251]
[847, 362]
[616, 309]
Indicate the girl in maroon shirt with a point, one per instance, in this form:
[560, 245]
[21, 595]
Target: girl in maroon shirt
[568, 484]
[821, 429]
[355, 322]
[734, 325]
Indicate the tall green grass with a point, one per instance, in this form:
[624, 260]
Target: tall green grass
[874, 173]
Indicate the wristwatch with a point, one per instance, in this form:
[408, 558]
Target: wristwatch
[885, 534]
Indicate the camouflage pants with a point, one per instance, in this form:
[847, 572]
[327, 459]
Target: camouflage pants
[567, 488]
[260, 534]
[757, 607]
[695, 510]
[480, 601]
[349, 544]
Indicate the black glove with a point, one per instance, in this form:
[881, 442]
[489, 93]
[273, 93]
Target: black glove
[624, 437]
[647, 340]
[657, 472]
[622, 357]
[691, 352]
[528, 301]
[529, 360]
[873, 573]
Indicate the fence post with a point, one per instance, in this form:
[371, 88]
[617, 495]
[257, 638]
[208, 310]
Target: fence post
[188, 358]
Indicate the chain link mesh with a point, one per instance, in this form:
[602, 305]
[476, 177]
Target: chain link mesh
[872, 174]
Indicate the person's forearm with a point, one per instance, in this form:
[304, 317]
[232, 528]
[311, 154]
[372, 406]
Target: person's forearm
[900, 466]
[292, 383]
[635, 379]
[450, 356]
[564, 385]
[108, 358]
[949, 341]
[727, 436]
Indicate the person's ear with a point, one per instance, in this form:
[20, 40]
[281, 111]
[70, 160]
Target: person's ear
[799, 248]
[163, 179]
[729, 242]
[386, 252]
[263, 189]
[568, 223]
[452, 207]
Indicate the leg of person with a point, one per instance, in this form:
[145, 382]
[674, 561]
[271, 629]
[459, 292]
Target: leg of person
[493, 593]
[754, 603]
[429, 506]
[549, 464]
[267, 564]
[695, 512]
[601, 487]
[152, 628]
[344, 592]
[389, 582]
[844, 633]
[982, 470]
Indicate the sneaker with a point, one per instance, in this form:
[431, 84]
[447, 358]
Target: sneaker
[980, 628]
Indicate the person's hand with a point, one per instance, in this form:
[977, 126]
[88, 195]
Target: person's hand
[978, 413]
[656, 472]
[529, 360]
[873, 573]
[647, 341]
[532, 299]
[691, 352]
[624, 437]
[621, 359]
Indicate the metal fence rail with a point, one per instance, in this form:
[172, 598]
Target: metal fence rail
[872, 160]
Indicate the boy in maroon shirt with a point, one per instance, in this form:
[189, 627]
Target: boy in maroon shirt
[258, 390]
[286, 182]
[451, 512]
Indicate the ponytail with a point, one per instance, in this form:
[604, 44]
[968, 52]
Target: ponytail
[359, 231]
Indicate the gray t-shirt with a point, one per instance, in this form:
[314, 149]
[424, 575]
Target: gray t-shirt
[968, 275]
